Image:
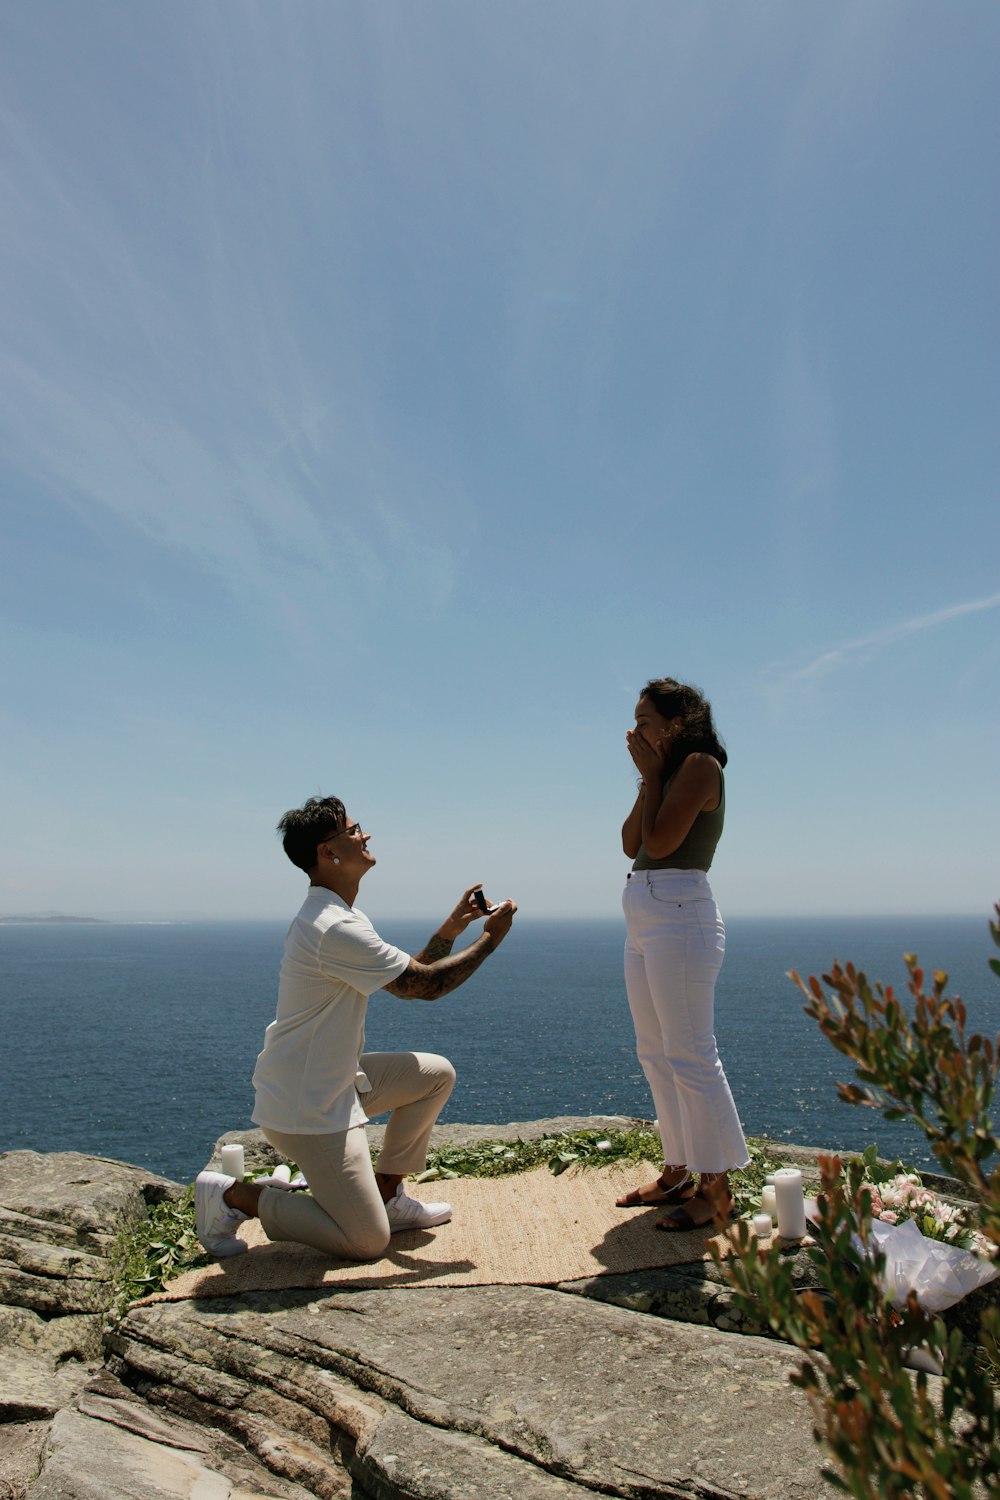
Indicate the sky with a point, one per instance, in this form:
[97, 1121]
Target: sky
[388, 391]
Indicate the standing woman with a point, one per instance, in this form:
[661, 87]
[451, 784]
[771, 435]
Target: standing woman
[674, 949]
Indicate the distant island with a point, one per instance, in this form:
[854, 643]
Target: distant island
[49, 918]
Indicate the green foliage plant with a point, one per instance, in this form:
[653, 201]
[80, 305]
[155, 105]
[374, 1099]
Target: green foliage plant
[888, 1431]
[557, 1152]
[151, 1251]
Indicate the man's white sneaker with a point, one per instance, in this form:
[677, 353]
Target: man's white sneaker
[215, 1221]
[409, 1213]
[275, 1182]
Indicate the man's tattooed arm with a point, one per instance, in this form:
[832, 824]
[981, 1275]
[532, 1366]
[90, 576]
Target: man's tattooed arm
[438, 946]
[429, 981]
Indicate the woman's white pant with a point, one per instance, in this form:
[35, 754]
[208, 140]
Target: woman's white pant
[674, 949]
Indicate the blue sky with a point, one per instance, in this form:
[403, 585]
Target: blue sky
[389, 390]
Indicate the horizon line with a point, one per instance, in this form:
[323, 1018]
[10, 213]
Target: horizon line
[61, 919]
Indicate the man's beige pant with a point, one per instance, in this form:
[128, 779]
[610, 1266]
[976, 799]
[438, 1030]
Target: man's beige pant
[343, 1213]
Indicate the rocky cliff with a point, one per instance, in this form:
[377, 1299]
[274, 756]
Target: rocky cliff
[637, 1386]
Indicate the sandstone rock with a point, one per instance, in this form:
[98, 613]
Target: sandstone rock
[473, 1393]
[482, 1391]
[20, 1328]
[59, 1216]
[696, 1293]
[21, 1447]
[94, 1455]
[76, 1198]
[31, 1388]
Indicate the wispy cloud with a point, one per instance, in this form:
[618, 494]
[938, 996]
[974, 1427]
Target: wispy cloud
[161, 371]
[800, 669]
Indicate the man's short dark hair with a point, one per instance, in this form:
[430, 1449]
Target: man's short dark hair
[304, 828]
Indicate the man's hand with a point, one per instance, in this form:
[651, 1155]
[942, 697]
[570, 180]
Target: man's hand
[498, 922]
[465, 912]
[436, 971]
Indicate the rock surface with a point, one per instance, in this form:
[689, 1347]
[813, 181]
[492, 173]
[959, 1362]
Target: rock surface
[638, 1386]
[482, 1391]
[59, 1218]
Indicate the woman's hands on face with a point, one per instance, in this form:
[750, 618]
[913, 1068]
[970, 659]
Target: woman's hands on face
[648, 758]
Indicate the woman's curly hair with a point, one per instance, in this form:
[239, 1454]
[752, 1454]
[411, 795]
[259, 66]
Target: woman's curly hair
[671, 698]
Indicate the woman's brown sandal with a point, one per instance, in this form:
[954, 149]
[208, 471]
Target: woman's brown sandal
[677, 1192]
[680, 1221]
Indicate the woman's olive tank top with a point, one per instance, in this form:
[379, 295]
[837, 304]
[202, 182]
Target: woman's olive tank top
[696, 850]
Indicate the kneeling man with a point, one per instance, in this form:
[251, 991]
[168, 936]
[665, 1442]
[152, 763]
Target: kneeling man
[315, 1085]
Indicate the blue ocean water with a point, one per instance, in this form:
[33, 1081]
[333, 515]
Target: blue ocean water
[138, 1041]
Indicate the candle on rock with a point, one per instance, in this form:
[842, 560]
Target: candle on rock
[233, 1164]
[762, 1225]
[768, 1201]
[791, 1203]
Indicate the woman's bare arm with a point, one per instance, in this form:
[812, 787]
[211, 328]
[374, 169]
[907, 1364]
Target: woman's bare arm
[695, 787]
[632, 826]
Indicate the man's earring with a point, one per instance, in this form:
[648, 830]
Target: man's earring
[336, 860]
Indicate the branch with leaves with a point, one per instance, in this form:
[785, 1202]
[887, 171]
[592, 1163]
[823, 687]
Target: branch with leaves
[888, 1432]
[919, 1067]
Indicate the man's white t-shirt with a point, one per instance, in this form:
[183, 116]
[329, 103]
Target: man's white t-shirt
[307, 1077]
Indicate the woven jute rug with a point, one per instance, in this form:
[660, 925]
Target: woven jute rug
[530, 1229]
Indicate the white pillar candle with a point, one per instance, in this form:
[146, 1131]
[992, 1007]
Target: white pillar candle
[282, 1173]
[791, 1203]
[769, 1201]
[762, 1225]
[232, 1161]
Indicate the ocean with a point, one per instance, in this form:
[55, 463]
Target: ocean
[138, 1041]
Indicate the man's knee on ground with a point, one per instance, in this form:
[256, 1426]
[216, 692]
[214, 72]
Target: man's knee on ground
[371, 1244]
[367, 1242]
